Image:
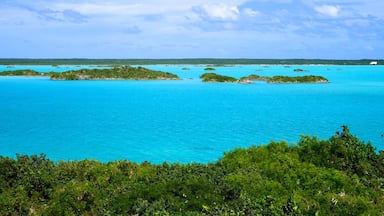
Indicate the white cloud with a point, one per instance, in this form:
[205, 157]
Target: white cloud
[250, 12]
[104, 8]
[220, 11]
[328, 10]
[161, 26]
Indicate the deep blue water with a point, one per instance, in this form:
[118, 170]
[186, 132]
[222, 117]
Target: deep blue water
[184, 121]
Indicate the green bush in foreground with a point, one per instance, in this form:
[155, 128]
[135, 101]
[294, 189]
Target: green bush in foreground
[339, 176]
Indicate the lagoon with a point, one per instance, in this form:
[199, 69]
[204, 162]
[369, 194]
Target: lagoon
[184, 121]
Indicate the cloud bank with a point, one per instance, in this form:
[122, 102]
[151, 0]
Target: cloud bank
[192, 29]
[328, 10]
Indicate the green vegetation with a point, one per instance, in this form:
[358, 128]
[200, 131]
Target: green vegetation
[117, 73]
[338, 176]
[251, 78]
[297, 79]
[120, 73]
[284, 79]
[212, 77]
[299, 70]
[23, 73]
[141, 73]
[209, 69]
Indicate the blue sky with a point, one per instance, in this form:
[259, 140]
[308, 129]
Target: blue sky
[338, 29]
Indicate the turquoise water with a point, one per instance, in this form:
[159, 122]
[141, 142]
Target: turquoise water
[184, 121]
[48, 68]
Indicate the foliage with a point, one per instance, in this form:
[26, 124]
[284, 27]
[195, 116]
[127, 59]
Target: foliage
[299, 70]
[252, 77]
[124, 72]
[209, 69]
[141, 73]
[285, 79]
[116, 73]
[23, 73]
[338, 176]
[297, 79]
[213, 77]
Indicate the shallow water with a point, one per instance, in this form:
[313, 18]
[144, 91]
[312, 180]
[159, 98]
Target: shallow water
[184, 121]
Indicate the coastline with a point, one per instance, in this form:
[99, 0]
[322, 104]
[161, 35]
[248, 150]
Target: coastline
[183, 61]
[115, 73]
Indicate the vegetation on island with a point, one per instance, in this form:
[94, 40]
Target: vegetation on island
[284, 79]
[209, 69]
[213, 77]
[297, 79]
[338, 176]
[299, 70]
[251, 78]
[116, 73]
[23, 73]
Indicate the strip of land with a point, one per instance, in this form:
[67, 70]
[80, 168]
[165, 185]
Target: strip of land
[116, 73]
[213, 77]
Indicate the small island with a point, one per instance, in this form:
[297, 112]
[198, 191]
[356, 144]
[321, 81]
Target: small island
[213, 77]
[297, 79]
[251, 78]
[209, 69]
[116, 73]
[23, 73]
[283, 79]
[300, 70]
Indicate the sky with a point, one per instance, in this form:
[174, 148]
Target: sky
[337, 29]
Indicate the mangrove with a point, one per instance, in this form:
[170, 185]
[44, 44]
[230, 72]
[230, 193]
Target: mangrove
[213, 77]
[116, 73]
[284, 79]
[341, 175]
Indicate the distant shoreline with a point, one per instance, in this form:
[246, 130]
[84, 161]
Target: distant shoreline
[192, 61]
[116, 73]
